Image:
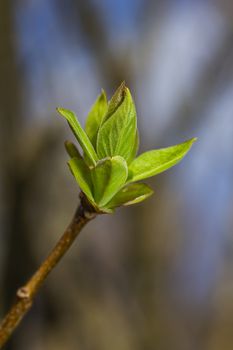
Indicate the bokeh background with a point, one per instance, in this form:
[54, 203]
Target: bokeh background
[155, 276]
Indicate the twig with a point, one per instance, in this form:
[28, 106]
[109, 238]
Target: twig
[26, 294]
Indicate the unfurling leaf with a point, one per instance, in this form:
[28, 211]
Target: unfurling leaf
[95, 117]
[82, 175]
[116, 136]
[80, 134]
[130, 194]
[108, 177]
[107, 169]
[156, 161]
[115, 101]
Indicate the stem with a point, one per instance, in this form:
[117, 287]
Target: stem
[26, 294]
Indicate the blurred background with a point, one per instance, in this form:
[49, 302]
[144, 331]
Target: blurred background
[154, 276]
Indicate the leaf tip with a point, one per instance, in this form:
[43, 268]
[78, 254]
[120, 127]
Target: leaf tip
[191, 141]
[58, 109]
[72, 150]
[194, 139]
[121, 91]
[62, 111]
[103, 94]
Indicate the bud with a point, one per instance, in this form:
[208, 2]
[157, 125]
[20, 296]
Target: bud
[107, 170]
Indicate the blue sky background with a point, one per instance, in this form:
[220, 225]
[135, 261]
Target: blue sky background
[181, 44]
[168, 57]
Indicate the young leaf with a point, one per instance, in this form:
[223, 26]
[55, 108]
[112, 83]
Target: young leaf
[82, 175]
[116, 136]
[108, 177]
[115, 101]
[135, 148]
[130, 194]
[80, 134]
[156, 161]
[95, 117]
[72, 150]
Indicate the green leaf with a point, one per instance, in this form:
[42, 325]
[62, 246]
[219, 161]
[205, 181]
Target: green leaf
[115, 101]
[95, 117]
[72, 150]
[130, 194]
[108, 177]
[116, 136]
[156, 161]
[135, 148]
[80, 134]
[82, 175]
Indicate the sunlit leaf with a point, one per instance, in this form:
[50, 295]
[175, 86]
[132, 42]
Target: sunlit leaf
[135, 148]
[80, 134]
[156, 161]
[82, 175]
[116, 136]
[108, 177]
[95, 117]
[130, 194]
[107, 169]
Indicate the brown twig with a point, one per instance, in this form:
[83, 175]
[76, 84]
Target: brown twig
[26, 294]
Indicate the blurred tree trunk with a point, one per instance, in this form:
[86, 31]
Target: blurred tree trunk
[85, 17]
[18, 260]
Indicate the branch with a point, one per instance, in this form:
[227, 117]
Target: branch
[26, 294]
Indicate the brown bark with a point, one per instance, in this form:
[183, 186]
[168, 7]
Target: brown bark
[26, 294]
